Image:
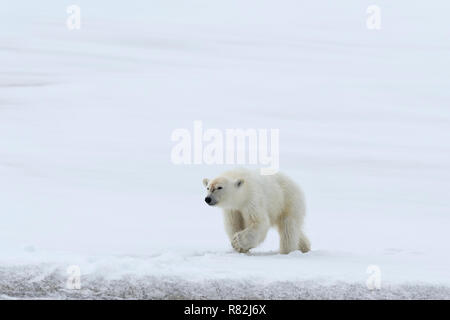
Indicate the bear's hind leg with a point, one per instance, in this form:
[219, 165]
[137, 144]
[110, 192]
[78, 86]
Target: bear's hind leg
[289, 231]
[304, 244]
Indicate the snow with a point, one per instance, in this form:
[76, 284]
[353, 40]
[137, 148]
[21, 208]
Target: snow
[86, 118]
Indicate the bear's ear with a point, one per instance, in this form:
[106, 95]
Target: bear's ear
[205, 182]
[239, 183]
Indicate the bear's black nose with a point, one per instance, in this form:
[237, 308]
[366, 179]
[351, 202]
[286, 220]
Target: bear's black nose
[208, 199]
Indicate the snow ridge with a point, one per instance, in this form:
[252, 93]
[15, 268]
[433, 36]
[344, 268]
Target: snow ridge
[47, 282]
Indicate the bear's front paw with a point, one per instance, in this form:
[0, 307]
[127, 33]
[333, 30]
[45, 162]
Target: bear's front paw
[240, 243]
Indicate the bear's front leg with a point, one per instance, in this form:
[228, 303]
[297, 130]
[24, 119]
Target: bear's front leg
[241, 242]
[250, 237]
[233, 222]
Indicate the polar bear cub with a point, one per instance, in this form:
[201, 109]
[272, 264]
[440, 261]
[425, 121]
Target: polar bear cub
[252, 203]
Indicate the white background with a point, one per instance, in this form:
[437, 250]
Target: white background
[86, 118]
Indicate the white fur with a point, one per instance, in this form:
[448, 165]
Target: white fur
[252, 203]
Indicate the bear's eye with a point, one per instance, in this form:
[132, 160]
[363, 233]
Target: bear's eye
[219, 188]
[207, 188]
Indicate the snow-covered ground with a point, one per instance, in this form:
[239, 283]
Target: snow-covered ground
[86, 118]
